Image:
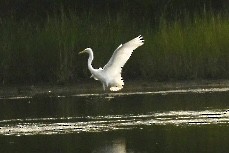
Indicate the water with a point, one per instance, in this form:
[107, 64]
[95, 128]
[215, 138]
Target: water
[193, 120]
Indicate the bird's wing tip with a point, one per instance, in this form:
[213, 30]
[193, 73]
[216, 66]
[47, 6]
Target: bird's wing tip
[140, 37]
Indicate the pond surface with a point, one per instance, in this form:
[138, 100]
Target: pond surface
[192, 120]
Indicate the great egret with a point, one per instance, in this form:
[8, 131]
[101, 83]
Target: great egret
[110, 74]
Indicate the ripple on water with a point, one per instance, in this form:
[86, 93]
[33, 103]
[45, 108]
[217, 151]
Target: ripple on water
[48, 126]
[162, 92]
[112, 95]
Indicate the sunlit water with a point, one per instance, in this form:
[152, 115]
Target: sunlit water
[117, 122]
[37, 126]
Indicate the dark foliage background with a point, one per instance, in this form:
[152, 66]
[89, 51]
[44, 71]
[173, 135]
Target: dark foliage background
[40, 39]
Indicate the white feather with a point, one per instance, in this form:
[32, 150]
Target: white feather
[110, 75]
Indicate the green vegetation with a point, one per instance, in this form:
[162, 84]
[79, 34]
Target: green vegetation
[194, 49]
[178, 47]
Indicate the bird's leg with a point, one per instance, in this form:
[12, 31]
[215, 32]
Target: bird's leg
[104, 87]
[106, 92]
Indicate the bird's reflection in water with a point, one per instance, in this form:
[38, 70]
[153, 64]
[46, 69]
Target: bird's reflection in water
[115, 146]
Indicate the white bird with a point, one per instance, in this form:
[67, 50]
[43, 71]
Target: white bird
[110, 74]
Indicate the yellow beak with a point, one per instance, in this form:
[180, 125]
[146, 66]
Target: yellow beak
[82, 52]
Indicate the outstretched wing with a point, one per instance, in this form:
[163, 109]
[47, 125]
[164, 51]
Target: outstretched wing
[121, 55]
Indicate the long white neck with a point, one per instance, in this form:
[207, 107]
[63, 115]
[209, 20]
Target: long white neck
[90, 59]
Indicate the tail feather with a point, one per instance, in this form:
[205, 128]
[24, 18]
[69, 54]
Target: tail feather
[118, 86]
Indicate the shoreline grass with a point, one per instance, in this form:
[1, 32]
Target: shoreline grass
[192, 50]
[182, 49]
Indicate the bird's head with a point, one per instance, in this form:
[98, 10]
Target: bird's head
[87, 50]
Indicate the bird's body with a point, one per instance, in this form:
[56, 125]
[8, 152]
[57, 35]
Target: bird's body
[110, 74]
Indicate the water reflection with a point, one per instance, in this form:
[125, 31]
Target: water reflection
[115, 146]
